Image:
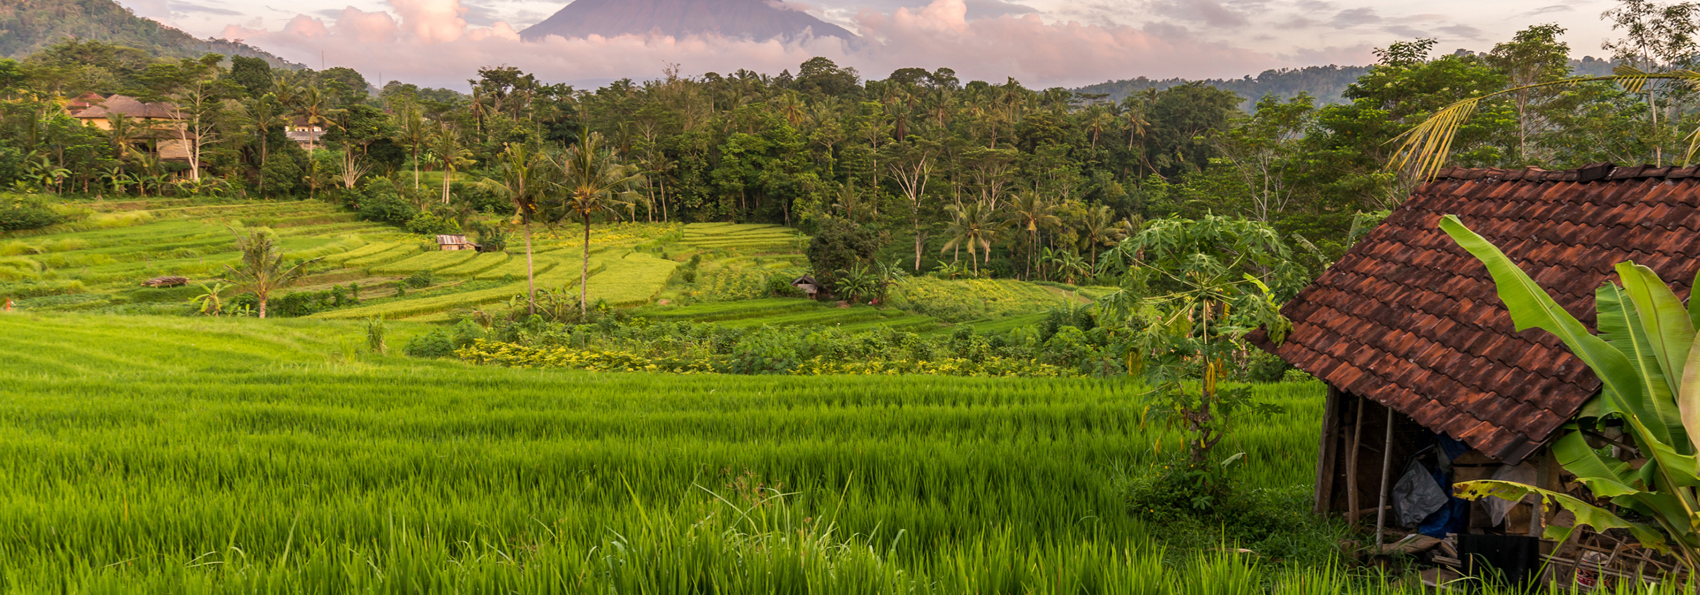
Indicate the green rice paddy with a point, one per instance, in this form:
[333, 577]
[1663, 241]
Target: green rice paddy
[144, 454]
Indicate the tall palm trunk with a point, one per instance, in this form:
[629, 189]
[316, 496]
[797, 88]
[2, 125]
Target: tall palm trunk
[530, 276]
[584, 267]
[263, 296]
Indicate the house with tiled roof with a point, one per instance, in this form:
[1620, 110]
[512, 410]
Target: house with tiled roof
[160, 125]
[1422, 361]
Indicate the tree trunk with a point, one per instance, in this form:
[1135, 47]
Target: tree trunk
[917, 245]
[262, 295]
[530, 277]
[584, 268]
[446, 174]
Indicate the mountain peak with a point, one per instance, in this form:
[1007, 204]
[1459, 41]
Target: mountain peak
[758, 20]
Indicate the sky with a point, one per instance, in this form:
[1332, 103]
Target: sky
[1042, 43]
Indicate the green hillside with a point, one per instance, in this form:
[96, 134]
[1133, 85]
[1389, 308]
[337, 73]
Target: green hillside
[27, 26]
[702, 272]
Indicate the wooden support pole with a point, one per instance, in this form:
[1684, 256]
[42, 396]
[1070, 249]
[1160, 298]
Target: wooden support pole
[1328, 446]
[1352, 465]
[1386, 470]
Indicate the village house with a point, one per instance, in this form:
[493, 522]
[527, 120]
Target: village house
[304, 133]
[160, 126]
[1427, 376]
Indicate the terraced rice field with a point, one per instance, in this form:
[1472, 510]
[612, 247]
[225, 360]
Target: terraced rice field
[743, 236]
[177, 455]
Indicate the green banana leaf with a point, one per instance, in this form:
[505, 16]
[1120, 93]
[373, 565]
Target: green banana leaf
[1621, 326]
[1586, 514]
[1668, 327]
[1688, 397]
[1606, 477]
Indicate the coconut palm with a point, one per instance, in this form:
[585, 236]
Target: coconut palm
[262, 270]
[264, 113]
[1030, 212]
[1098, 227]
[595, 181]
[313, 107]
[972, 226]
[525, 176]
[448, 152]
[412, 131]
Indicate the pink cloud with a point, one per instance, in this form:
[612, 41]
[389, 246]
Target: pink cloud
[433, 45]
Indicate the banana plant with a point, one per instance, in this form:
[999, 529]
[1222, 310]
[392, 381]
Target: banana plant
[1645, 356]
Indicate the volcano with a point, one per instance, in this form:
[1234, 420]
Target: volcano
[758, 20]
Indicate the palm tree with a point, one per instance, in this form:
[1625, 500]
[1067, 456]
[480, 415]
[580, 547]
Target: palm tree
[262, 270]
[1099, 229]
[264, 113]
[1029, 211]
[595, 181]
[1098, 119]
[446, 148]
[313, 108]
[973, 226]
[411, 130]
[523, 180]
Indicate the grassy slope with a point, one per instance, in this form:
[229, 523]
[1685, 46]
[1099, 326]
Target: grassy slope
[134, 450]
[101, 262]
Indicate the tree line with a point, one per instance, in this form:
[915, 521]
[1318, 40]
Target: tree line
[972, 178]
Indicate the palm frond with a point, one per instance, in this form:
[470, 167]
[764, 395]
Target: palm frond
[1423, 149]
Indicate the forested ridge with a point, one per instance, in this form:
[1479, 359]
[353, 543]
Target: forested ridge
[28, 26]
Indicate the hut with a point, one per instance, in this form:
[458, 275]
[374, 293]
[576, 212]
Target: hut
[1425, 370]
[808, 285]
[450, 243]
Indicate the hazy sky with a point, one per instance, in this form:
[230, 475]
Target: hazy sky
[1040, 42]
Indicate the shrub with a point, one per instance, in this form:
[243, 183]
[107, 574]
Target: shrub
[384, 203]
[432, 224]
[420, 280]
[433, 344]
[467, 333]
[839, 245]
[26, 212]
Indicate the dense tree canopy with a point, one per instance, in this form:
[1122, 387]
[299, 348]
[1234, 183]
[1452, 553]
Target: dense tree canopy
[925, 162]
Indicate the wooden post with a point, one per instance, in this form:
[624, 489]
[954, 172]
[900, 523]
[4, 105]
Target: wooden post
[1326, 449]
[1386, 470]
[1352, 465]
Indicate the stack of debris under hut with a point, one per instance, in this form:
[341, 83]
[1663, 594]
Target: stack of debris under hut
[1430, 384]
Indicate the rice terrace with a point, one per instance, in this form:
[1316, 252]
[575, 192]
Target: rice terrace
[1417, 325]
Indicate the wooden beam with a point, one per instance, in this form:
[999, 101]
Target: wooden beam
[1352, 465]
[1328, 446]
[1386, 470]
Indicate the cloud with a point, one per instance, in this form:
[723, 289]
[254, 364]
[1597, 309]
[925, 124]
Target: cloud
[1356, 16]
[985, 9]
[185, 7]
[1462, 31]
[430, 42]
[1208, 12]
[1549, 9]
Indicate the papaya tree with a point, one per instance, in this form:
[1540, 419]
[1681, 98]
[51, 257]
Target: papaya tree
[1190, 291]
[1645, 357]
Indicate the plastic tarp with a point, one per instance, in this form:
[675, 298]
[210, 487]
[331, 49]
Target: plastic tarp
[1417, 495]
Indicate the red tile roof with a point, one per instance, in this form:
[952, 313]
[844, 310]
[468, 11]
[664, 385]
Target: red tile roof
[1411, 321]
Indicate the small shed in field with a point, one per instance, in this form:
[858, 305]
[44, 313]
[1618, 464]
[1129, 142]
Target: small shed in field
[449, 243]
[1422, 361]
[808, 285]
